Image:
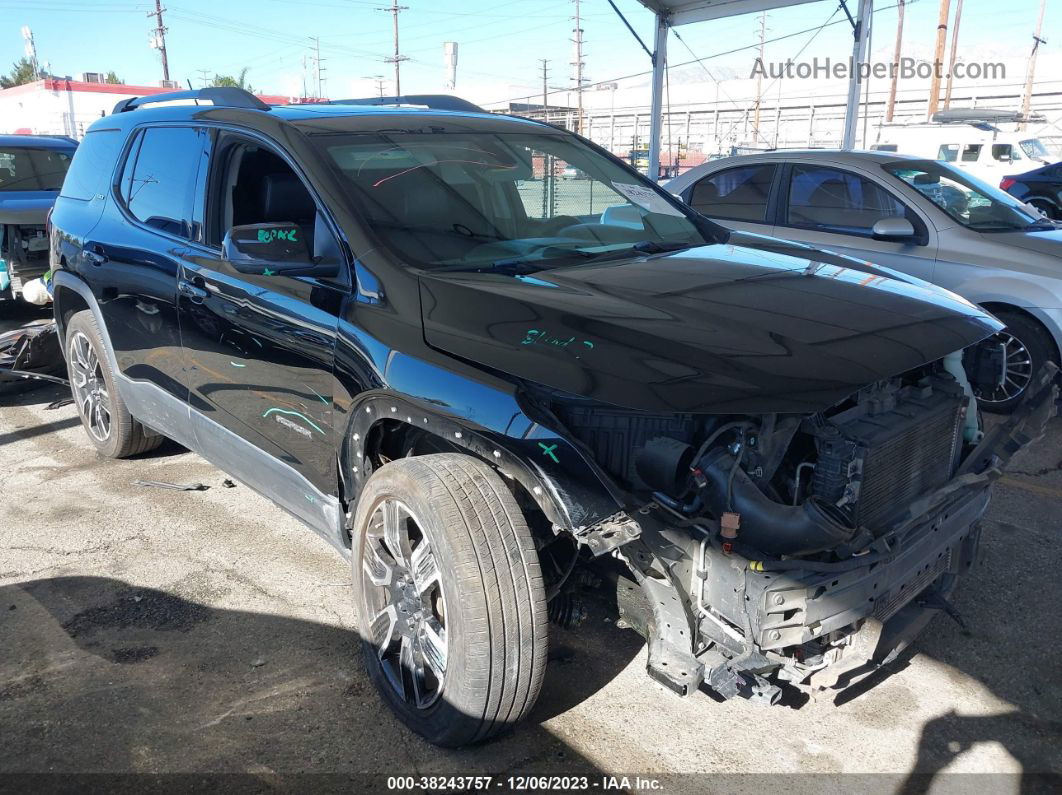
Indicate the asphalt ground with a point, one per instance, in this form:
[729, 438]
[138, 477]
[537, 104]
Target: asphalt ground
[145, 631]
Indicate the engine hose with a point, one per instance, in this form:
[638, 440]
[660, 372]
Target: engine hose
[769, 526]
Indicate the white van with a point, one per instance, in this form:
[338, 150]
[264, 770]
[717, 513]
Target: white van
[975, 146]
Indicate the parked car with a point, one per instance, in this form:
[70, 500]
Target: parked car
[1041, 187]
[368, 315]
[921, 217]
[32, 168]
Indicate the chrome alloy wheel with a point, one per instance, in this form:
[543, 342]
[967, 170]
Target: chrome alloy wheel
[1016, 369]
[402, 584]
[89, 387]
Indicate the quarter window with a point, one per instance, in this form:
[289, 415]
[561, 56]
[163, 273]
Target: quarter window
[737, 193]
[92, 165]
[159, 178]
[838, 201]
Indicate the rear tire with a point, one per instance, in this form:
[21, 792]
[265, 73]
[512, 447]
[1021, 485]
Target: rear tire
[110, 427]
[1047, 208]
[450, 600]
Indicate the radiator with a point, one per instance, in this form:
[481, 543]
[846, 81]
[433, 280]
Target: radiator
[897, 449]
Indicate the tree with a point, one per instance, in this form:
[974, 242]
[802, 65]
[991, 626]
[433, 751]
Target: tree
[21, 73]
[113, 79]
[229, 81]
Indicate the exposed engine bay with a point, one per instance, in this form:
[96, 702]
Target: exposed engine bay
[804, 548]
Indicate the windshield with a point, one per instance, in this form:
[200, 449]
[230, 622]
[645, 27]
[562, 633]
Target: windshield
[1035, 149]
[972, 203]
[468, 200]
[33, 169]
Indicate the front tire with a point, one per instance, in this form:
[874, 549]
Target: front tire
[110, 427]
[450, 600]
[1026, 347]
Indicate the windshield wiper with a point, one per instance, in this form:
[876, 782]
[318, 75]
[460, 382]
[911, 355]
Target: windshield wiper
[656, 247]
[1045, 225]
[522, 264]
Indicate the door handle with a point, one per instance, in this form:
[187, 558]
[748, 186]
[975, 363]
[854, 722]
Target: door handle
[196, 294]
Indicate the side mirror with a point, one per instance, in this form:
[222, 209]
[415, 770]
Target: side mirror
[893, 228]
[257, 247]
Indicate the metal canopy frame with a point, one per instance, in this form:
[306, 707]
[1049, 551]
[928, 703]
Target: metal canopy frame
[673, 13]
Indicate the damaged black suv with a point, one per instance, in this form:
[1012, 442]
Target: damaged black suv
[409, 327]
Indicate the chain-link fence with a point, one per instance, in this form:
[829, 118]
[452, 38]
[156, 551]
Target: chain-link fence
[558, 188]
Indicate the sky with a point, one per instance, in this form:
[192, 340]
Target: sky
[501, 41]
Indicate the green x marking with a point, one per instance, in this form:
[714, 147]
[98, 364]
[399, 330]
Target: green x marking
[268, 272]
[547, 449]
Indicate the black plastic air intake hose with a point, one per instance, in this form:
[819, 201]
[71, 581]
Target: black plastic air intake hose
[767, 525]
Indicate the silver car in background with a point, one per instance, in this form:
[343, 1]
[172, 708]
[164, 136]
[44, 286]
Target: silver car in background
[921, 217]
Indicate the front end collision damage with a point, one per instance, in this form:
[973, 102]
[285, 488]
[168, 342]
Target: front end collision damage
[724, 614]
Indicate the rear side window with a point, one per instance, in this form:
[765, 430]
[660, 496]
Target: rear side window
[92, 165]
[838, 201]
[159, 178]
[735, 193]
[971, 152]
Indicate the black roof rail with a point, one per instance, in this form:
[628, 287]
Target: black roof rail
[228, 96]
[433, 101]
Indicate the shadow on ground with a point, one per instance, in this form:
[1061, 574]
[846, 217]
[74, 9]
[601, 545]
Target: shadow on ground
[105, 677]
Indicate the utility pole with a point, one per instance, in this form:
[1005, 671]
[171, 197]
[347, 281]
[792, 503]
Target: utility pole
[379, 81]
[759, 79]
[318, 69]
[30, 49]
[545, 89]
[578, 66]
[159, 39]
[954, 50]
[396, 59]
[938, 58]
[204, 76]
[891, 108]
[1038, 39]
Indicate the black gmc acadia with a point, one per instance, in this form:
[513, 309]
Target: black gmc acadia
[413, 329]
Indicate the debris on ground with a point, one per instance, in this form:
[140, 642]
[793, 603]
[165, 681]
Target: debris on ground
[228, 484]
[158, 484]
[29, 356]
[58, 404]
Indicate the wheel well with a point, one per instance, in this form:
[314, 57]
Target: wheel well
[67, 303]
[996, 307]
[389, 440]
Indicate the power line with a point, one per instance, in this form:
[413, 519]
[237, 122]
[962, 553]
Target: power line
[695, 60]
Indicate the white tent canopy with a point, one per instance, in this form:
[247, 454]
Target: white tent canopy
[672, 13]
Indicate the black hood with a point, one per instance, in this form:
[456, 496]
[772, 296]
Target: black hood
[718, 329]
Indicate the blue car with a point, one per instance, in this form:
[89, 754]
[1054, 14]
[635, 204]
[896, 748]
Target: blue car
[1041, 187]
[32, 168]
